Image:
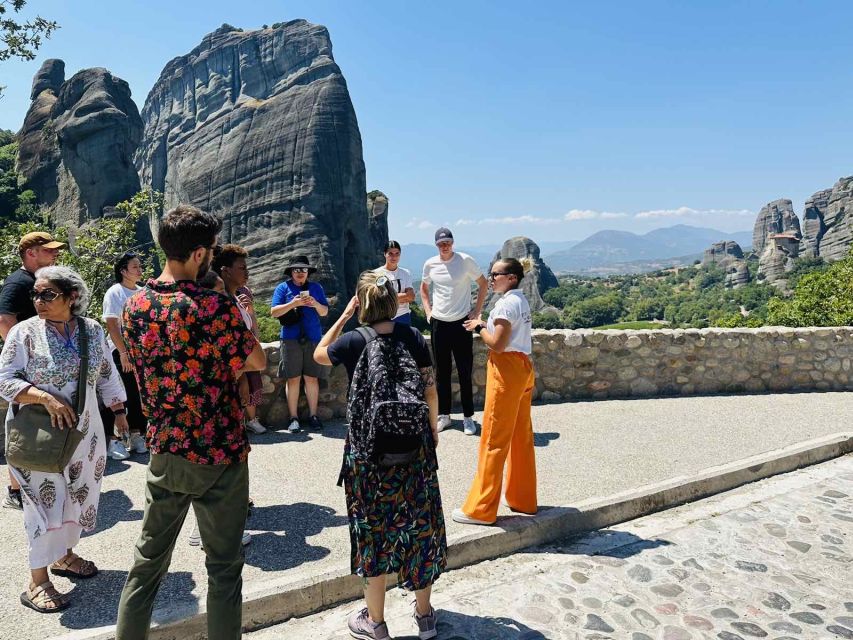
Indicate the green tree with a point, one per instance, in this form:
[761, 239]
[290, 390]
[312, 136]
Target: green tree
[593, 312]
[820, 299]
[547, 320]
[21, 38]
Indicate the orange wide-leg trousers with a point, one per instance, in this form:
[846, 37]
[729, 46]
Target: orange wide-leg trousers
[507, 437]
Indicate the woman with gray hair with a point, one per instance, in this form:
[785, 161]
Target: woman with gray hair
[40, 364]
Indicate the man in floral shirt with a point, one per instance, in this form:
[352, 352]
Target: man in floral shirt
[188, 346]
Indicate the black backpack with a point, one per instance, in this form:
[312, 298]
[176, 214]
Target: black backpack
[386, 396]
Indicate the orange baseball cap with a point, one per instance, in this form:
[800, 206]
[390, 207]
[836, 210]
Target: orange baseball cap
[39, 239]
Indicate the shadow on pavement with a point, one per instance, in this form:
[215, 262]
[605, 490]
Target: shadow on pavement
[605, 542]
[94, 602]
[272, 551]
[544, 439]
[275, 436]
[459, 626]
[114, 507]
[117, 466]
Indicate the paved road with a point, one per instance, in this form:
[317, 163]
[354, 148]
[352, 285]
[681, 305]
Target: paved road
[584, 450]
[770, 560]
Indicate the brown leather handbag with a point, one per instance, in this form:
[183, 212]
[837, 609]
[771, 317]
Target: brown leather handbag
[33, 442]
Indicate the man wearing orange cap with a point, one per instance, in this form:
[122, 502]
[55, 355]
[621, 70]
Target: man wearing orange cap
[37, 249]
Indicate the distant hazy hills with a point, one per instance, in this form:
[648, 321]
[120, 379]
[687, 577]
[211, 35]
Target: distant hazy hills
[603, 252]
[609, 250]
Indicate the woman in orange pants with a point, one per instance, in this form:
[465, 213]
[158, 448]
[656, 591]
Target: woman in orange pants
[507, 435]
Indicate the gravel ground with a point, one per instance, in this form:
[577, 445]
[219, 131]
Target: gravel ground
[584, 450]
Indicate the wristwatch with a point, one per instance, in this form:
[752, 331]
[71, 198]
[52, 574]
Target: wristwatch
[120, 412]
[480, 328]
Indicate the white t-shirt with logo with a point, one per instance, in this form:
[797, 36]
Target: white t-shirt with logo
[514, 308]
[451, 285]
[113, 306]
[401, 279]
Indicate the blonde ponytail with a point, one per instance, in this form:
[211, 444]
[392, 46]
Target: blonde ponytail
[377, 300]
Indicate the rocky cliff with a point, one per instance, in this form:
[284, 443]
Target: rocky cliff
[77, 142]
[813, 224]
[838, 221]
[536, 282]
[775, 217]
[729, 256]
[258, 127]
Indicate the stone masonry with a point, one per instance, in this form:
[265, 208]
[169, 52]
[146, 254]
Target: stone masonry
[587, 364]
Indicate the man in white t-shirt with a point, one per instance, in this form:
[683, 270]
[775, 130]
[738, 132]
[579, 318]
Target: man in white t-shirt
[451, 275]
[401, 279]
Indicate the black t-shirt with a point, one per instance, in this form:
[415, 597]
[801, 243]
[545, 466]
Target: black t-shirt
[347, 348]
[346, 351]
[15, 295]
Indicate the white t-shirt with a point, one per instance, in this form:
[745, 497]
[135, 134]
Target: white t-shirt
[451, 285]
[402, 280]
[113, 306]
[513, 306]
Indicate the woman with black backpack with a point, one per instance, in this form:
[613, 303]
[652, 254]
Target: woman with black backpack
[390, 468]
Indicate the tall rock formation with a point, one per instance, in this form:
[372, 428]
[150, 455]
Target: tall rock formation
[258, 127]
[536, 282]
[77, 143]
[813, 223]
[838, 221]
[775, 217]
[377, 214]
[729, 256]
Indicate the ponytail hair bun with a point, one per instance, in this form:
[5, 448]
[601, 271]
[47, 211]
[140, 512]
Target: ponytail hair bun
[526, 264]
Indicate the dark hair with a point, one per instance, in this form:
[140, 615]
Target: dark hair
[208, 280]
[122, 263]
[225, 255]
[392, 244]
[185, 229]
[516, 268]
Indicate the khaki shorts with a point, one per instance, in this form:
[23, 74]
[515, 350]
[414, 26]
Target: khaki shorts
[297, 359]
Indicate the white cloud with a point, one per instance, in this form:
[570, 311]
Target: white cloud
[688, 212]
[526, 219]
[589, 214]
[415, 223]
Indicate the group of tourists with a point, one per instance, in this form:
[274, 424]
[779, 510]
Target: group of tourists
[176, 374]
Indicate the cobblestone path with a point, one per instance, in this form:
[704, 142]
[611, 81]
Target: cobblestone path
[770, 560]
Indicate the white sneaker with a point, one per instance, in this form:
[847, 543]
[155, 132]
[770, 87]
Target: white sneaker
[255, 426]
[463, 518]
[247, 538]
[293, 426]
[117, 450]
[137, 443]
[443, 422]
[469, 427]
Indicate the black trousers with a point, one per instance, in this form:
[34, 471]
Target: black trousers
[452, 339]
[135, 418]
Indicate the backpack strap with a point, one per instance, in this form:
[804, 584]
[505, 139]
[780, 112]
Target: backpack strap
[368, 334]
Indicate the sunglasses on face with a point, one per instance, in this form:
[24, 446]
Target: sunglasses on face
[45, 295]
[495, 274]
[299, 270]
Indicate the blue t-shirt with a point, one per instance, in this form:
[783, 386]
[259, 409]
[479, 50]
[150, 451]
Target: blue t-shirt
[309, 324]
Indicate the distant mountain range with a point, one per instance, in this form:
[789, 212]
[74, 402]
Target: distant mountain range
[609, 251]
[604, 252]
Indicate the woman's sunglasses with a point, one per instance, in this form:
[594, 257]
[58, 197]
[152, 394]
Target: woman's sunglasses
[299, 270]
[495, 274]
[45, 295]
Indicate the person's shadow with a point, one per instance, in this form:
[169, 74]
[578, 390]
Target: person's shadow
[543, 439]
[114, 507]
[94, 602]
[460, 626]
[283, 529]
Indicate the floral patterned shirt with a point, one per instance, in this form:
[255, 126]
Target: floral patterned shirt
[187, 345]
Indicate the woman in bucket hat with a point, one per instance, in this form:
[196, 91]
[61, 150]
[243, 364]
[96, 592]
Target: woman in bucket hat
[299, 304]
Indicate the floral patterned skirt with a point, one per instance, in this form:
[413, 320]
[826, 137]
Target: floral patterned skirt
[396, 522]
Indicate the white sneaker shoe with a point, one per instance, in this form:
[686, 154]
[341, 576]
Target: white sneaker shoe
[247, 538]
[443, 422]
[117, 450]
[463, 518]
[469, 427]
[195, 537]
[255, 426]
[293, 426]
[137, 443]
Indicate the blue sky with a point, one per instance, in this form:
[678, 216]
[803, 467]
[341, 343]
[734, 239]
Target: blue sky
[548, 119]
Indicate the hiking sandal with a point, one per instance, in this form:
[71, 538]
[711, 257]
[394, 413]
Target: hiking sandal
[73, 566]
[42, 600]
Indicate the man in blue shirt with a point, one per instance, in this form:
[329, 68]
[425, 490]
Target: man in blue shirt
[299, 304]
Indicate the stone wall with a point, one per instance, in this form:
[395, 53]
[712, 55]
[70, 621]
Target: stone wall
[586, 364]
